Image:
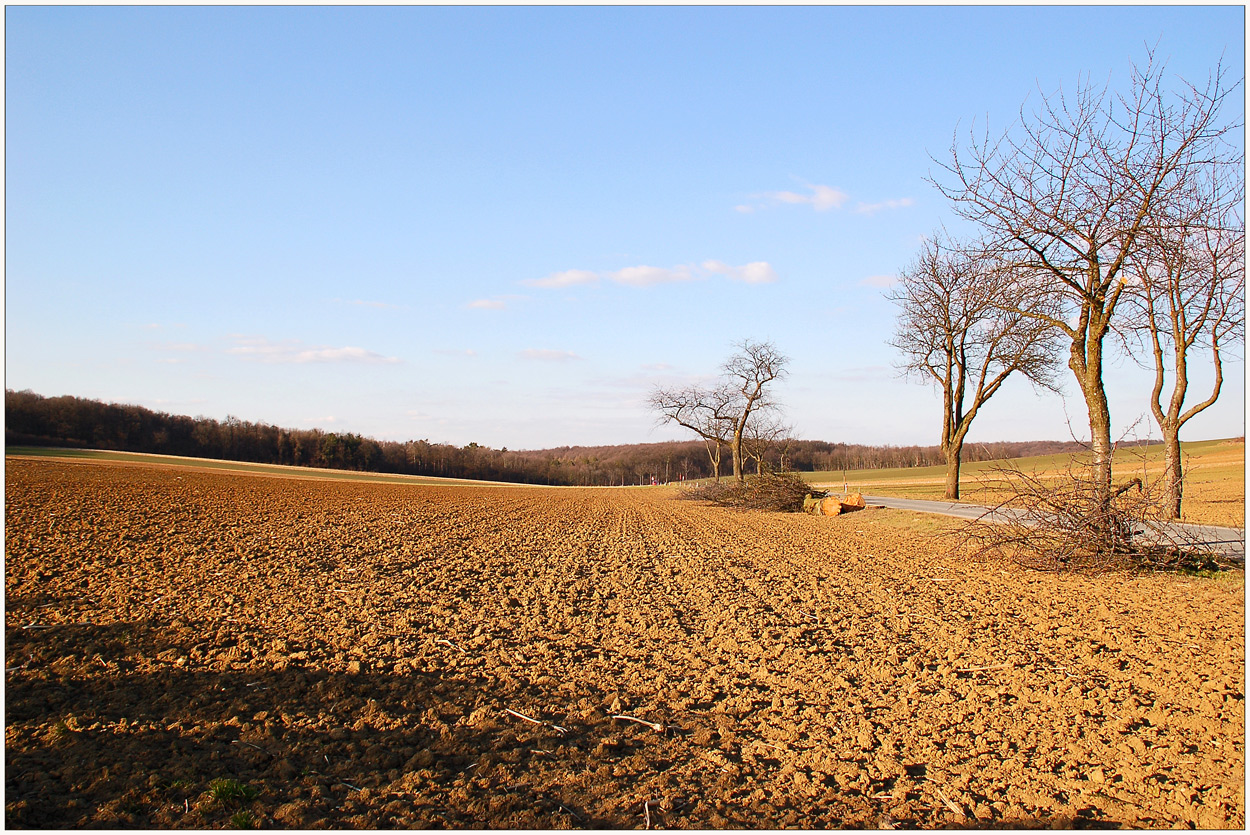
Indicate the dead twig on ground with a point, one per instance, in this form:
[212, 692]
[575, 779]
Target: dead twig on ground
[655, 726]
[449, 643]
[554, 727]
[984, 669]
[950, 804]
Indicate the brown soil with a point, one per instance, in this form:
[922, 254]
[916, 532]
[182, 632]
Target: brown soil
[350, 652]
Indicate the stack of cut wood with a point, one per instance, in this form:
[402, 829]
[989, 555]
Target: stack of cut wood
[832, 505]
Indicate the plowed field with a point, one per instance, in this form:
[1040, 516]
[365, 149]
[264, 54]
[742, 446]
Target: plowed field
[350, 652]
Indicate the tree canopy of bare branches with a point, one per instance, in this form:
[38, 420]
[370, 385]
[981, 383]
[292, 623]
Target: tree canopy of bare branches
[750, 373]
[764, 432]
[1190, 271]
[704, 411]
[963, 326]
[722, 413]
[1068, 193]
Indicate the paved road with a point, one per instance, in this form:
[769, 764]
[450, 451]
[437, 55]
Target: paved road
[1231, 542]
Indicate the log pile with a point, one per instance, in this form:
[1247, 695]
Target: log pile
[832, 505]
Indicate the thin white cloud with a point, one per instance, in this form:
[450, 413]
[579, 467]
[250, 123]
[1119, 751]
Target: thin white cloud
[879, 281]
[821, 198]
[175, 352]
[568, 278]
[450, 352]
[547, 355]
[644, 276]
[347, 354]
[293, 351]
[494, 302]
[756, 272]
[873, 208]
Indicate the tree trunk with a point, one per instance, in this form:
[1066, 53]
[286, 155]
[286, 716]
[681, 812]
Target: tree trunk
[1085, 361]
[1173, 486]
[953, 453]
[736, 448]
[1100, 438]
[714, 458]
[1086, 364]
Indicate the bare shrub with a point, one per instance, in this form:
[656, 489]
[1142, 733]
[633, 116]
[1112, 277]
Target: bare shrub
[1056, 522]
[781, 492]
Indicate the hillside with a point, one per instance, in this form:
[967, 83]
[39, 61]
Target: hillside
[74, 422]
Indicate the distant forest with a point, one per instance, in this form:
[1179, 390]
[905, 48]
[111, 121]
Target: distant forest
[35, 420]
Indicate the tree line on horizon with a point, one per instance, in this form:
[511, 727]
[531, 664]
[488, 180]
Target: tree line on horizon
[69, 421]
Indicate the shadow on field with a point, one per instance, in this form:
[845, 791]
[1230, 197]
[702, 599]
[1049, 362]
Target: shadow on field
[91, 742]
[95, 738]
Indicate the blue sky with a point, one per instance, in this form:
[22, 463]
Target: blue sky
[504, 225]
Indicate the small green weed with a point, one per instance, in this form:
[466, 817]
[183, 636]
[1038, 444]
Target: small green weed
[178, 786]
[229, 790]
[242, 819]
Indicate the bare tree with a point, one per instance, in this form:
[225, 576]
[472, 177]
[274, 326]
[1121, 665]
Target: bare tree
[1068, 194]
[765, 431]
[749, 374]
[964, 326]
[704, 411]
[1191, 274]
[720, 414]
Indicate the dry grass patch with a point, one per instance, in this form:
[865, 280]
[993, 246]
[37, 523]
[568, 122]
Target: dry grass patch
[1214, 489]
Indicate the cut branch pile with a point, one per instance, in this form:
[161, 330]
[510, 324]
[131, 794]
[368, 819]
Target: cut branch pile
[1062, 522]
[781, 492]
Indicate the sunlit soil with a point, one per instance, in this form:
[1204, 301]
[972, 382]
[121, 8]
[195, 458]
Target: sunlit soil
[196, 649]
